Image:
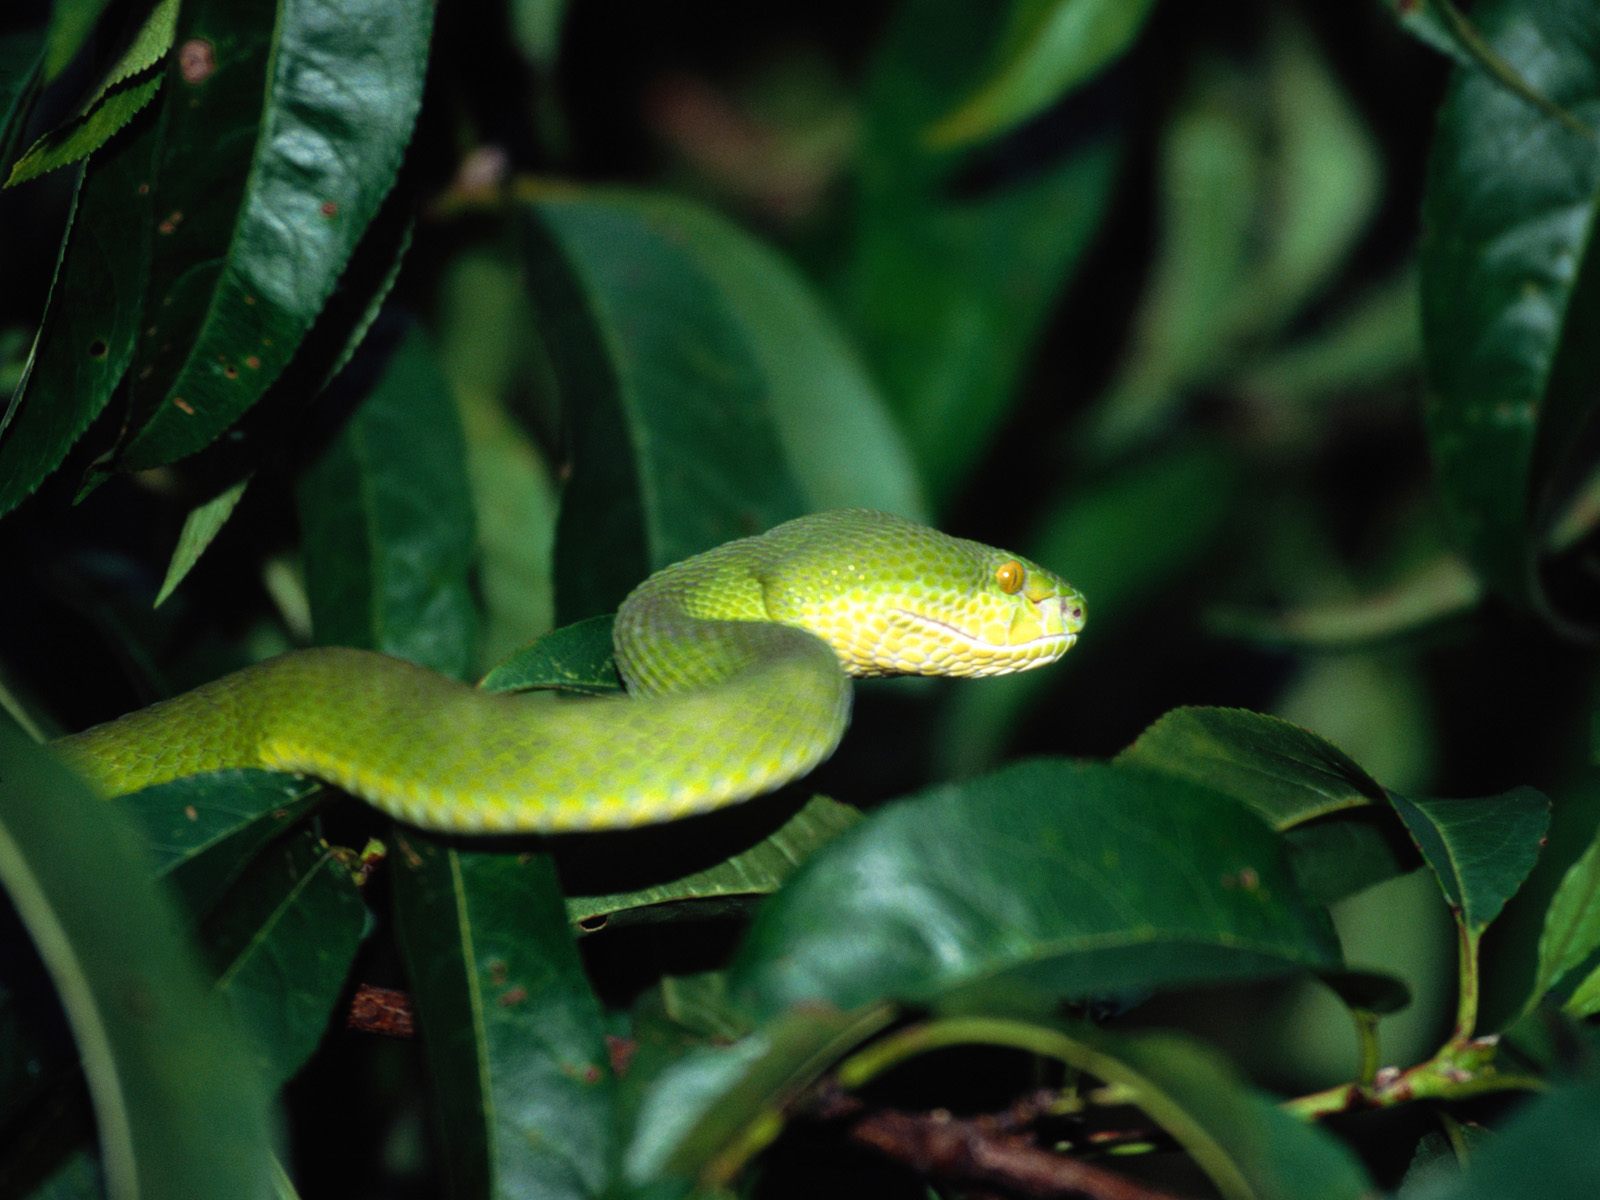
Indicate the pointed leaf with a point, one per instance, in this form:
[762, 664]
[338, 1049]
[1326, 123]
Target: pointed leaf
[575, 658]
[1571, 925]
[268, 178]
[1045, 880]
[71, 23]
[202, 524]
[21, 68]
[1480, 849]
[1287, 774]
[512, 1033]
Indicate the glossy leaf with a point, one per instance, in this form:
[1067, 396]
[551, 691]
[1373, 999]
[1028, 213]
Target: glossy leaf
[201, 831]
[282, 944]
[386, 517]
[268, 178]
[511, 1031]
[204, 522]
[1051, 47]
[179, 1108]
[574, 658]
[754, 870]
[1044, 880]
[837, 435]
[1571, 925]
[91, 319]
[128, 86]
[1480, 849]
[948, 286]
[1509, 282]
[673, 451]
[1287, 774]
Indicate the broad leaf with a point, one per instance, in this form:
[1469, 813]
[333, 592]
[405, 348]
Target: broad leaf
[1045, 880]
[1287, 774]
[1480, 849]
[1510, 285]
[282, 944]
[386, 516]
[512, 1033]
[91, 319]
[1051, 47]
[673, 450]
[179, 1107]
[574, 658]
[268, 177]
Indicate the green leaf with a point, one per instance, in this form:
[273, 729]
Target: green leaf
[1430, 595]
[282, 944]
[203, 523]
[1571, 926]
[201, 831]
[128, 86]
[178, 1105]
[575, 658]
[21, 67]
[947, 286]
[386, 518]
[706, 1113]
[71, 23]
[754, 870]
[834, 426]
[1045, 880]
[512, 1034]
[673, 451]
[1510, 286]
[1545, 1150]
[1121, 540]
[1340, 856]
[1051, 47]
[268, 178]
[91, 319]
[1480, 849]
[1287, 774]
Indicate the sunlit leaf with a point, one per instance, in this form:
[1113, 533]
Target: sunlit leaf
[574, 658]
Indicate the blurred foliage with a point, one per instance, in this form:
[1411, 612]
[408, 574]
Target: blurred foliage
[432, 329]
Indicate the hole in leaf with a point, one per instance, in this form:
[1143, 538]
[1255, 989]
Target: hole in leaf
[98, 348]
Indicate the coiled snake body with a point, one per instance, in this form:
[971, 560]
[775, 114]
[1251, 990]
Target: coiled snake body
[737, 662]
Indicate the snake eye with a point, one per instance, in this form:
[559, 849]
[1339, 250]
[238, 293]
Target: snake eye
[1009, 577]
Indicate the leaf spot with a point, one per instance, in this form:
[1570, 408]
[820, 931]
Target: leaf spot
[231, 371]
[98, 348]
[191, 812]
[144, 189]
[329, 209]
[498, 972]
[170, 224]
[251, 361]
[512, 996]
[183, 405]
[196, 60]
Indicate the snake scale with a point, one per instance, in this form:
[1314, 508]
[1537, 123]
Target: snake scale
[737, 664]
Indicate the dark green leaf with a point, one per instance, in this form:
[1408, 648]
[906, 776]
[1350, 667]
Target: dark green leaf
[1480, 849]
[511, 1031]
[1287, 774]
[1510, 285]
[1545, 1151]
[130, 84]
[268, 178]
[91, 319]
[201, 831]
[203, 523]
[1340, 856]
[1052, 47]
[1044, 880]
[386, 517]
[673, 449]
[754, 871]
[282, 944]
[574, 658]
[838, 437]
[21, 64]
[71, 23]
[949, 287]
[179, 1107]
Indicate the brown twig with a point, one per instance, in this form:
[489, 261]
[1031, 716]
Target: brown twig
[381, 1010]
[984, 1151]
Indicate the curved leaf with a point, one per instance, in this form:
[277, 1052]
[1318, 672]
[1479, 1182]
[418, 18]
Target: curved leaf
[1511, 286]
[179, 1107]
[1044, 880]
[574, 658]
[1051, 47]
[283, 129]
[1481, 849]
[1287, 774]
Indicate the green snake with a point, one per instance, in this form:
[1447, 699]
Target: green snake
[737, 664]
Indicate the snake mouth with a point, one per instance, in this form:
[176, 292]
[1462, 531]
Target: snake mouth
[1065, 640]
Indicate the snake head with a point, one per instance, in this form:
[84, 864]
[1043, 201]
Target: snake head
[892, 597]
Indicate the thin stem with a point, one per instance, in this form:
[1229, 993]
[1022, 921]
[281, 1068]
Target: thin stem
[1467, 997]
[1367, 1041]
